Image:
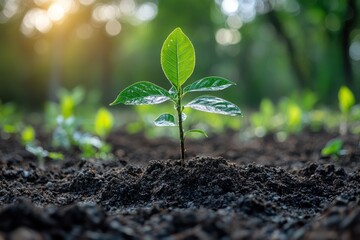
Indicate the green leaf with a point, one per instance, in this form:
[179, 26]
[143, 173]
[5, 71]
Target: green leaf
[208, 84]
[165, 120]
[177, 58]
[196, 131]
[346, 99]
[56, 156]
[333, 147]
[142, 93]
[214, 105]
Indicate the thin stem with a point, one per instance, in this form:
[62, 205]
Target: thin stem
[181, 130]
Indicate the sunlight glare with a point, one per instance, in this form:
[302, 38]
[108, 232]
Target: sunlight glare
[234, 21]
[227, 36]
[41, 2]
[42, 22]
[10, 9]
[229, 6]
[87, 2]
[56, 12]
[104, 13]
[35, 18]
[113, 27]
[127, 7]
[146, 12]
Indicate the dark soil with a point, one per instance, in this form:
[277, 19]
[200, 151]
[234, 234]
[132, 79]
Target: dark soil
[259, 189]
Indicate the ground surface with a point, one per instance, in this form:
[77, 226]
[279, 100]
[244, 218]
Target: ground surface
[259, 189]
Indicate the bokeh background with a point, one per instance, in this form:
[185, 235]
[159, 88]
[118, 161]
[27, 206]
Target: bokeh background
[270, 48]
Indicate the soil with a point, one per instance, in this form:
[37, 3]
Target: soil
[228, 189]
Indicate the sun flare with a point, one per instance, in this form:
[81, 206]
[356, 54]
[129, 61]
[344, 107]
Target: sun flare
[47, 13]
[56, 12]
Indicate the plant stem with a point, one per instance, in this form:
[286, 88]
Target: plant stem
[181, 130]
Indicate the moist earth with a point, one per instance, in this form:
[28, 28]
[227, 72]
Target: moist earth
[228, 189]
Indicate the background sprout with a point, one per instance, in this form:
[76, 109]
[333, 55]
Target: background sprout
[346, 102]
[103, 122]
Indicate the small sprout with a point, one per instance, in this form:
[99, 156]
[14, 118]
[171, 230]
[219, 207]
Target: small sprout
[178, 63]
[346, 99]
[69, 99]
[40, 153]
[67, 136]
[28, 135]
[346, 102]
[294, 118]
[67, 106]
[103, 122]
[56, 156]
[333, 148]
[28, 138]
[10, 128]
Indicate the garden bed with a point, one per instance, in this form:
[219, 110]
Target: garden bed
[229, 188]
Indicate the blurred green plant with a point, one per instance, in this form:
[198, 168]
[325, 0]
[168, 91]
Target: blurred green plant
[333, 148]
[262, 121]
[70, 99]
[10, 116]
[28, 139]
[103, 122]
[178, 63]
[67, 136]
[28, 135]
[63, 121]
[346, 102]
[40, 153]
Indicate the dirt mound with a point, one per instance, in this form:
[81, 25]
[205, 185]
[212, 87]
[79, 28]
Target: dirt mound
[208, 198]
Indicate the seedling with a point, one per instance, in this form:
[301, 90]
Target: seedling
[346, 102]
[28, 139]
[333, 148]
[178, 63]
[28, 135]
[103, 123]
[40, 153]
[67, 136]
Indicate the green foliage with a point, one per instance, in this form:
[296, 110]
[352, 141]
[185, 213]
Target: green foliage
[346, 99]
[333, 148]
[178, 63]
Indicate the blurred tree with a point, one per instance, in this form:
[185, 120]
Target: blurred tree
[270, 47]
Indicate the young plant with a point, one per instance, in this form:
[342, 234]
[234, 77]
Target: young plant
[28, 139]
[178, 63]
[334, 148]
[346, 102]
[103, 123]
